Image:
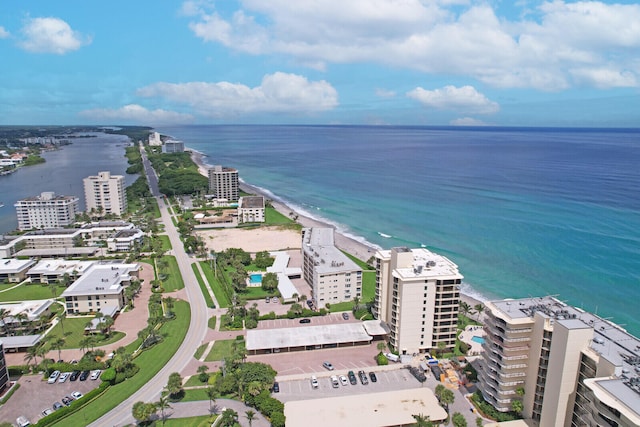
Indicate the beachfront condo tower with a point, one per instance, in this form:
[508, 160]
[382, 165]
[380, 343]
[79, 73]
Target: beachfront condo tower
[223, 183]
[46, 211]
[330, 274]
[105, 193]
[417, 296]
[565, 366]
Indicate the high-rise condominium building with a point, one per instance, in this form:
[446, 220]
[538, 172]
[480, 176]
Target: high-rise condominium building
[417, 295]
[332, 276]
[106, 193]
[223, 183]
[46, 211]
[568, 367]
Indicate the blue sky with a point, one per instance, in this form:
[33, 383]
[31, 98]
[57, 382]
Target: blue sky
[416, 62]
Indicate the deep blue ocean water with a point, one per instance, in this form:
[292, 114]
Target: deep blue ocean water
[523, 212]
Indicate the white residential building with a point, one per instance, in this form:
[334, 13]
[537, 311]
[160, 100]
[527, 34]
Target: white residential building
[223, 183]
[154, 139]
[54, 270]
[46, 211]
[173, 146]
[14, 270]
[105, 193]
[100, 288]
[417, 295]
[124, 240]
[251, 209]
[332, 276]
[575, 368]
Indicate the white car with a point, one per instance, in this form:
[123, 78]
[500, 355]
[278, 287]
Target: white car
[63, 377]
[95, 374]
[344, 380]
[334, 382]
[53, 377]
[314, 382]
[76, 395]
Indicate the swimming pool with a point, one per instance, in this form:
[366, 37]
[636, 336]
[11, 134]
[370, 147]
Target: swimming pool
[477, 339]
[255, 278]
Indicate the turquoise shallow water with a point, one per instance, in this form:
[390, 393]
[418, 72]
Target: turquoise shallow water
[521, 211]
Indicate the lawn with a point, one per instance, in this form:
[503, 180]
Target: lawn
[30, 292]
[341, 306]
[252, 293]
[203, 287]
[212, 322]
[166, 243]
[216, 287]
[199, 421]
[173, 281]
[74, 333]
[219, 350]
[368, 286]
[149, 361]
[273, 217]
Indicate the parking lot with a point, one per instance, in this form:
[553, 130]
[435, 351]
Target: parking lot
[35, 395]
[387, 381]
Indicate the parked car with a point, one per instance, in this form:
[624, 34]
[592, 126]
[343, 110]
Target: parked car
[84, 375]
[345, 316]
[57, 405]
[305, 320]
[363, 378]
[276, 387]
[267, 299]
[64, 376]
[309, 303]
[76, 395]
[95, 374]
[343, 380]
[373, 377]
[66, 401]
[334, 382]
[47, 412]
[53, 377]
[22, 421]
[328, 365]
[314, 382]
[74, 375]
[352, 378]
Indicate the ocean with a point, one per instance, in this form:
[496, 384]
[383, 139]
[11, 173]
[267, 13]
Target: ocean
[63, 173]
[522, 211]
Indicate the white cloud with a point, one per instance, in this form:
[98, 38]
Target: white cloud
[278, 92]
[385, 93]
[467, 121]
[604, 78]
[465, 98]
[137, 114]
[440, 37]
[3, 33]
[51, 35]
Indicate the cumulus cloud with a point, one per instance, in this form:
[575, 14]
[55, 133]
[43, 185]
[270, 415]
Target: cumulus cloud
[278, 92]
[440, 37]
[3, 33]
[465, 98]
[137, 114]
[467, 121]
[51, 35]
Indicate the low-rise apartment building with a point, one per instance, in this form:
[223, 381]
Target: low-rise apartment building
[46, 211]
[567, 366]
[417, 296]
[55, 270]
[251, 209]
[14, 270]
[331, 275]
[124, 240]
[101, 286]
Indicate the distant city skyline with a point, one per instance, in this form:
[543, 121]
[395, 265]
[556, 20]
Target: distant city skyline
[370, 62]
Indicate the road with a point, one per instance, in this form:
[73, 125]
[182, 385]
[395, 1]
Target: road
[121, 415]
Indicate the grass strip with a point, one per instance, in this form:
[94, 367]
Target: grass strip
[219, 350]
[216, 286]
[203, 287]
[149, 361]
[174, 281]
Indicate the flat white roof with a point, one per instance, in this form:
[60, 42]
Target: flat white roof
[13, 266]
[262, 339]
[279, 266]
[32, 308]
[389, 408]
[318, 243]
[60, 266]
[101, 279]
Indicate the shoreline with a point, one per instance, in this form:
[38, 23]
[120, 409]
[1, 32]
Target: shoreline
[359, 249]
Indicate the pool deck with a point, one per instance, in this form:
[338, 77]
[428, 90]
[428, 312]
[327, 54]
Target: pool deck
[469, 332]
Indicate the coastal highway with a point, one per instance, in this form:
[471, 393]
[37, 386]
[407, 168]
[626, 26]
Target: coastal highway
[150, 392]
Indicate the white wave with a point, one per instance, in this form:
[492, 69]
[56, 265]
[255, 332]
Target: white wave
[469, 290]
[386, 236]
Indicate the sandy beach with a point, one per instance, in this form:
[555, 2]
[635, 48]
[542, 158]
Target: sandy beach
[274, 238]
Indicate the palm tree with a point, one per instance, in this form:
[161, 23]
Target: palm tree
[58, 343]
[479, 308]
[31, 355]
[250, 415]
[422, 421]
[212, 393]
[356, 304]
[465, 308]
[60, 317]
[162, 404]
[381, 346]
[203, 376]
[107, 323]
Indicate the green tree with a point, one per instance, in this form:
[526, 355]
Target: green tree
[422, 421]
[57, 343]
[250, 415]
[212, 393]
[381, 346]
[162, 404]
[479, 308]
[465, 308]
[479, 422]
[174, 385]
[203, 376]
[458, 420]
[229, 418]
[356, 304]
[516, 406]
[142, 411]
[447, 398]
[269, 282]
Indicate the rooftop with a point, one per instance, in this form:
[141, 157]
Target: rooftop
[318, 243]
[47, 196]
[101, 279]
[251, 202]
[262, 339]
[60, 266]
[424, 264]
[13, 266]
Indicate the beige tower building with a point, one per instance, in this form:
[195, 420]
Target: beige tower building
[417, 295]
[105, 192]
[223, 183]
[567, 366]
[46, 211]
